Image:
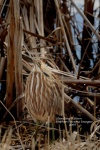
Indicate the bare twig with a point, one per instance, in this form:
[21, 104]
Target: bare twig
[42, 37]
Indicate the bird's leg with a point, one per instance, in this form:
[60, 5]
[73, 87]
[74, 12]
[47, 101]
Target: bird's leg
[53, 132]
[36, 131]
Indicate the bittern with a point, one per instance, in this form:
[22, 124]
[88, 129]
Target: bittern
[43, 94]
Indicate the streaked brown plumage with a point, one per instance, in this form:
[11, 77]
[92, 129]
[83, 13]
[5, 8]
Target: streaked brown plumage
[43, 95]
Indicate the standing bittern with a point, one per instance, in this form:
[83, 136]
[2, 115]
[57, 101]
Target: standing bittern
[43, 94]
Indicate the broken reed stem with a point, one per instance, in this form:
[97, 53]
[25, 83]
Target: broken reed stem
[41, 25]
[32, 26]
[18, 32]
[80, 81]
[10, 59]
[14, 56]
[2, 64]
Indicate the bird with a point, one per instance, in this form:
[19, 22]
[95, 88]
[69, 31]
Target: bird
[43, 94]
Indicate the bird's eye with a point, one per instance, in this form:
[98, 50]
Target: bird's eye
[46, 74]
